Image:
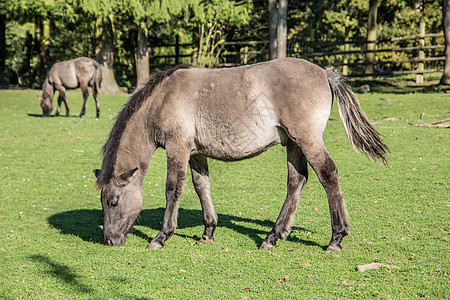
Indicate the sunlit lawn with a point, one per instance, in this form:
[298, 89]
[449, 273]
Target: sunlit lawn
[50, 214]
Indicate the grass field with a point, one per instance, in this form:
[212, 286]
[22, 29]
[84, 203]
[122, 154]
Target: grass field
[50, 214]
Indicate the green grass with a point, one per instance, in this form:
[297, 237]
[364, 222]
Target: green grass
[50, 214]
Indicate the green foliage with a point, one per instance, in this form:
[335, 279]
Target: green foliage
[332, 20]
[221, 12]
[156, 11]
[16, 43]
[100, 8]
[73, 29]
[345, 18]
[50, 214]
[212, 19]
[402, 18]
[206, 24]
[26, 10]
[340, 19]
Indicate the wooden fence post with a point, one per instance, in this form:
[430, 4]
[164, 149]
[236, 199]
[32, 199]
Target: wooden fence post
[345, 56]
[419, 76]
[244, 55]
[177, 49]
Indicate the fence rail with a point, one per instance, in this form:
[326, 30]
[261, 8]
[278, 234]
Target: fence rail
[416, 54]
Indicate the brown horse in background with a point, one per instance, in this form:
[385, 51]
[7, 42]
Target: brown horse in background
[229, 114]
[81, 72]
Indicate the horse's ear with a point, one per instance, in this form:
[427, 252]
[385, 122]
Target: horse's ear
[97, 173]
[125, 178]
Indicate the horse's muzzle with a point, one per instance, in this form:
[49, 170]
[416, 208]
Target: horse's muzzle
[115, 241]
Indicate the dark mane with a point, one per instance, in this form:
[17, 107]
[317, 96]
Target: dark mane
[130, 107]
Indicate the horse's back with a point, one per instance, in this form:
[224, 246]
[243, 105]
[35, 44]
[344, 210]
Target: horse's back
[234, 113]
[72, 73]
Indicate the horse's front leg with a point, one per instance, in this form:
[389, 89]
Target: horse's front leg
[297, 177]
[58, 108]
[200, 178]
[62, 98]
[177, 162]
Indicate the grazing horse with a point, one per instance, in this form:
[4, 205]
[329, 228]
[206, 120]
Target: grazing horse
[229, 114]
[80, 72]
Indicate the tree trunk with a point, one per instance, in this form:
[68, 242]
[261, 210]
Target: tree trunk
[273, 25]
[446, 21]
[34, 77]
[44, 63]
[371, 36]
[142, 56]
[104, 53]
[40, 52]
[2, 45]
[282, 29]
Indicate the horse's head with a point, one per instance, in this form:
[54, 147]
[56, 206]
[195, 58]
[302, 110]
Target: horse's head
[121, 201]
[46, 104]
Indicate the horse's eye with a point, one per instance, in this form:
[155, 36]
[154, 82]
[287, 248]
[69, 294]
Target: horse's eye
[113, 203]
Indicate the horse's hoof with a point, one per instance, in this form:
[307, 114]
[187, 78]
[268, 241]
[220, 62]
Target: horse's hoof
[266, 246]
[155, 246]
[333, 248]
[206, 240]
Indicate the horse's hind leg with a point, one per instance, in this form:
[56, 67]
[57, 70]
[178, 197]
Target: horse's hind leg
[97, 104]
[85, 92]
[200, 178]
[320, 160]
[297, 177]
[58, 108]
[177, 161]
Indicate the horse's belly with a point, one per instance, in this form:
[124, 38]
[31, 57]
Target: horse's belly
[237, 145]
[71, 82]
[240, 137]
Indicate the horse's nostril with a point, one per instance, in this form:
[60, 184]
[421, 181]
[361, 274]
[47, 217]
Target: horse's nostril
[109, 242]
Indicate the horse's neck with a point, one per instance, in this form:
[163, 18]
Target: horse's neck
[48, 89]
[135, 149]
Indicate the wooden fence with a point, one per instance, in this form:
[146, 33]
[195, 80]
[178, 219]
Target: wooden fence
[164, 55]
[418, 54]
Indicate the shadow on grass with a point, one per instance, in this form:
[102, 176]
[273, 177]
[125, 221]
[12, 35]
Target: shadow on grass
[303, 235]
[52, 116]
[60, 272]
[66, 275]
[397, 86]
[86, 224]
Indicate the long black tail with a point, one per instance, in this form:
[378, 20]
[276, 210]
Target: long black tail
[360, 132]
